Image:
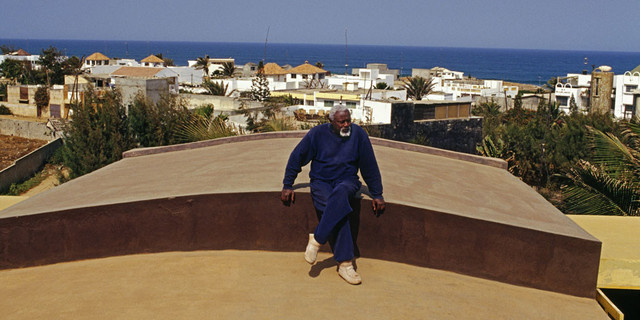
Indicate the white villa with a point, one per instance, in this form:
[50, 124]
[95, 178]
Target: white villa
[626, 93]
[452, 85]
[21, 55]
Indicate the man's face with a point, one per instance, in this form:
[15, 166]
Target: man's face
[341, 123]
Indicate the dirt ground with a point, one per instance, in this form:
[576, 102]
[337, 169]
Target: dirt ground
[13, 148]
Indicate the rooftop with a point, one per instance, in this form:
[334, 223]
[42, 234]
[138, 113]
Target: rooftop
[97, 56]
[306, 68]
[152, 59]
[451, 217]
[143, 72]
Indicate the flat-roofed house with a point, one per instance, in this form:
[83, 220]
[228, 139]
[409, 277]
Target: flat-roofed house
[152, 82]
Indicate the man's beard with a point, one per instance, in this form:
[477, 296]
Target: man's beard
[345, 132]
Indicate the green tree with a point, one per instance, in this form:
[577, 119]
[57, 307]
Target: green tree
[203, 64]
[51, 60]
[167, 61]
[260, 87]
[551, 84]
[73, 66]
[417, 87]
[7, 49]
[382, 86]
[573, 107]
[21, 72]
[41, 97]
[155, 124]
[97, 134]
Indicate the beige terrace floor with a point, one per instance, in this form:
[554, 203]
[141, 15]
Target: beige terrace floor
[267, 285]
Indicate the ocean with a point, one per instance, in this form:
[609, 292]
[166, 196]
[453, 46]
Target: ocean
[516, 65]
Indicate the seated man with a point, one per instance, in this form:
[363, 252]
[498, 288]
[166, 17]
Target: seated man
[336, 150]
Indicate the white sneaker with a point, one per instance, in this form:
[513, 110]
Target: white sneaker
[348, 273]
[311, 254]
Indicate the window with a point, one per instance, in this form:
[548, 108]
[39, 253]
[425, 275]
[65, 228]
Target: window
[351, 105]
[293, 76]
[563, 101]
[630, 88]
[328, 104]
[310, 102]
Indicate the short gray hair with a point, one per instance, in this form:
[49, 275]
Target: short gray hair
[337, 108]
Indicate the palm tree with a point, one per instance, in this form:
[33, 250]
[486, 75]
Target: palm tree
[73, 66]
[203, 63]
[216, 88]
[610, 183]
[228, 69]
[417, 87]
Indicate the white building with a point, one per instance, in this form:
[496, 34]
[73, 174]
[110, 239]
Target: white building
[366, 78]
[573, 85]
[437, 72]
[452, 86]
[476, 88]
[627, 95]
[22, 55]
[369, 106]
[215, 64]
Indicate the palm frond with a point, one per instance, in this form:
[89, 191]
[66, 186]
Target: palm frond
[595, 192]
[199, 128]
[617, 158]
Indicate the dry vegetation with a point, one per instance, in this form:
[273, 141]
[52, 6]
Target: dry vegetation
[13, 148]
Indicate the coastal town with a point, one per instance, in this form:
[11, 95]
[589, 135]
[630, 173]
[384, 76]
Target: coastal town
[369, 92]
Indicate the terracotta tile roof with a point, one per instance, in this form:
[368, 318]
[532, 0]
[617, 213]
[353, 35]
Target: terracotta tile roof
[273, 69]
[142, 72]
[20, 53]
[97, 57]
[152, 59]
[306, 68]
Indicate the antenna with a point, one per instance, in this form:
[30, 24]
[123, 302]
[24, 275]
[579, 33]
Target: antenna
[264, 55]
[346, 65]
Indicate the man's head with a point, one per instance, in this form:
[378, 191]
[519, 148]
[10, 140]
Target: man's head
[340, 118]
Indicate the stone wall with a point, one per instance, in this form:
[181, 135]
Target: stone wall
[26, 129]
[461, 135]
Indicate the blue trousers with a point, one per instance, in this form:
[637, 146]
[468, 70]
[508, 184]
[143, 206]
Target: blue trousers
[333, 200]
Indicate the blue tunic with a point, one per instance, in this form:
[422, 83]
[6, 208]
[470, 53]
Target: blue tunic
[335, 158]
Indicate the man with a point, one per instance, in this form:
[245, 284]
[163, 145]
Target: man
[336, 150]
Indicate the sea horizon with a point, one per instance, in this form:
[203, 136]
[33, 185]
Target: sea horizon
[532, 66]
[321, 44]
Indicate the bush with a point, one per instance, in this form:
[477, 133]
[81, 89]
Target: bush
[4, 110]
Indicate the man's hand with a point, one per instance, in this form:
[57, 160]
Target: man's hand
[288, 197]
[378, 206]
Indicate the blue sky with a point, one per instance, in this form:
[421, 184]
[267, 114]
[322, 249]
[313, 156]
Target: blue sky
[542, 24]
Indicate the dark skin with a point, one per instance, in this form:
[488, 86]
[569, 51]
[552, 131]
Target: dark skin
[341, 121]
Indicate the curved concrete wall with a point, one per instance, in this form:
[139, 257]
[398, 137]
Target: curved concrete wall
[258, 221]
